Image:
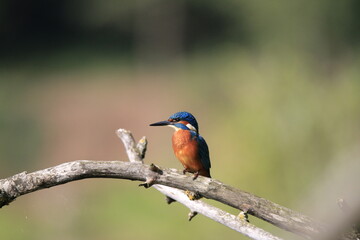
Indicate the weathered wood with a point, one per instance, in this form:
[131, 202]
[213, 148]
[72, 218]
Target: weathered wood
[271, 212]
[172, 194]
[169, 181]
[217, 214]
[23, 183]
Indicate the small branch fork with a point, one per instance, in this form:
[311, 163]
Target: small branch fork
[137, 154]
[170, 182]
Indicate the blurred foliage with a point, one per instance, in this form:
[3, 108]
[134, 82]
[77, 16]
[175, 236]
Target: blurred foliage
[20, 138]
[274, 85]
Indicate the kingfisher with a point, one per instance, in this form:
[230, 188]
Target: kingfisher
[189, 146]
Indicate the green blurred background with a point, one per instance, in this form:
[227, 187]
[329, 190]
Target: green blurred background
[274, 85]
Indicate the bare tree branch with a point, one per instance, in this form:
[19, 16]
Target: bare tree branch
[137, 154]
[271, 212]
[23, 183]
[216, 214]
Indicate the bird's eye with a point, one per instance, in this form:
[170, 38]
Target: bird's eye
[174, 119]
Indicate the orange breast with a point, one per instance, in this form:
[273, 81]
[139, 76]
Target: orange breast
[186, 150]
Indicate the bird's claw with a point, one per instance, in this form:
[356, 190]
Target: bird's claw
[196, 174]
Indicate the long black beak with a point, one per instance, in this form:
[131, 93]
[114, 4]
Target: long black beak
[162, 123]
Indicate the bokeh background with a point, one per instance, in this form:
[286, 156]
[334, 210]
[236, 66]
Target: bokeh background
[274, 85]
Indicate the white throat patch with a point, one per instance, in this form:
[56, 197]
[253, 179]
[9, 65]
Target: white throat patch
[191, 127]
[174, 127]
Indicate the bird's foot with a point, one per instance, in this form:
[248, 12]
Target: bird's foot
[185, 170]
[196, 174]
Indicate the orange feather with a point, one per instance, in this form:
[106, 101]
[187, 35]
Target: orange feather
[186, 149]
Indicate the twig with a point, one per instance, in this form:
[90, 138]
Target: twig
[216, 214]
[195, 207]
[23, 183]
[259, 207]
[282, 217]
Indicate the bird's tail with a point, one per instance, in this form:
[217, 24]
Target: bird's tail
[205, 173]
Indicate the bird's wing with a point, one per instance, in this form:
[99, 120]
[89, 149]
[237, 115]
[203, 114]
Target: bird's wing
[204, 153]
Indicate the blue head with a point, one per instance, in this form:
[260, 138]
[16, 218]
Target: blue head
[183, 120]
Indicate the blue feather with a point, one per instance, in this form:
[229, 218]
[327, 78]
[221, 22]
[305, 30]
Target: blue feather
[203, 150]
[193, 127]
[186, 116]
[204, 153]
